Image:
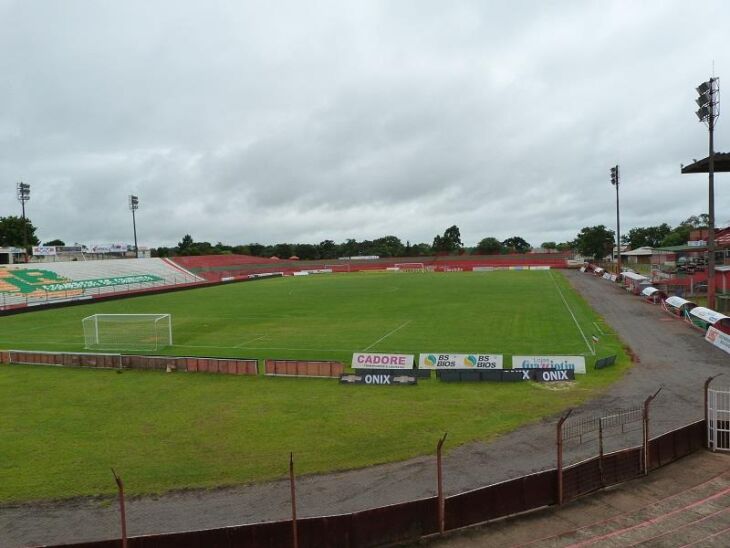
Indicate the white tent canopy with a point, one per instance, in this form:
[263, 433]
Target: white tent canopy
[634, 276]
[677, 302]
[707, 315]
[649, 291]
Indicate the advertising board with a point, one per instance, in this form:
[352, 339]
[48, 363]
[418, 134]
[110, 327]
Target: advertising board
[387, 379]
[576, 363]
[44, 250]
[382, 361]
[718, 338]
[436, 360]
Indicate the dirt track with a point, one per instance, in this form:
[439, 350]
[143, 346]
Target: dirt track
[670, 354]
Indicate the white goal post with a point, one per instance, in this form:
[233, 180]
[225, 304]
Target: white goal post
[127, 331]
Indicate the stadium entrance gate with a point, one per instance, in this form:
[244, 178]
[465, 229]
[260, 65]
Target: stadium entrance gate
[718, 419]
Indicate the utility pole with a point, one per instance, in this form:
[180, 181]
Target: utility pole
[24, 196]
[134, 206]
[615, 182]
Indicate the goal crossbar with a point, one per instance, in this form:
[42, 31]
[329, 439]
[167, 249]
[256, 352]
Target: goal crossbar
[127, 331]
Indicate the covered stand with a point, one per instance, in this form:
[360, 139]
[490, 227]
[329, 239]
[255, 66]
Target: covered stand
[678, 306]
[653, 295]
[703, 318]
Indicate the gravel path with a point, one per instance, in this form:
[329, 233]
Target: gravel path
[670, 354]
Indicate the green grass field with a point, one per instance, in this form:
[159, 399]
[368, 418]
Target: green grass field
[61, 429]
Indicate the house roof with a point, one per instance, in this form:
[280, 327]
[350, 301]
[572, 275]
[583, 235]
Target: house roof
[638, 251]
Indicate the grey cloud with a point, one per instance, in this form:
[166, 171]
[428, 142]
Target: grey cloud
[293, 121]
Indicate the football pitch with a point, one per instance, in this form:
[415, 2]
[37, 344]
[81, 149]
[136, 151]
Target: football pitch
[63, 428]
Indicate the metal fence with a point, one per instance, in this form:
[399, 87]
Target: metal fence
[412, 520]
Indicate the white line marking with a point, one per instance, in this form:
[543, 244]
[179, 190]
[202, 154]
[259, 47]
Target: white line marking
[599, 328]
[401, 326]
[244, 343]
[590, 348]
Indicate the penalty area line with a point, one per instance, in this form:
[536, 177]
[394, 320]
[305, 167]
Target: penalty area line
[401, 326]
[580, 329]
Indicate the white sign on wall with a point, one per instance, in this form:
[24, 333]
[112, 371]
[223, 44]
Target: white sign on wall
[44, 250]
[382, 361]
[576, 363]
[437, 360]
[718, 338]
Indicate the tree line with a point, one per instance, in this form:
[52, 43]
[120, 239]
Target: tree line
[595, 241]
[448, 243]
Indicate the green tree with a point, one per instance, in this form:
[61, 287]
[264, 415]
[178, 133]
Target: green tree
[12, 232]
[327, 249]
[549, 245]
[516, 245]
[650, 236]
[450, 242]
[55, 242]
[185, 245]
[488, 246]
[595, 241]
[680, 234]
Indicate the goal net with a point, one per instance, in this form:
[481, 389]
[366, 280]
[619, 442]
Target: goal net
[127, 331]
[410, 267]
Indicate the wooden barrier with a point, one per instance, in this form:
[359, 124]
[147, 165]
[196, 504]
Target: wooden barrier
[111, 361]
[234, 366]
[303, 368]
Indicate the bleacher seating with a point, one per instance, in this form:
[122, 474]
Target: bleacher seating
[38, 283]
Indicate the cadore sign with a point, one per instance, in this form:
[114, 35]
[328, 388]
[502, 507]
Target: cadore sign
[459, 361]
[382, 361]
[576, 363]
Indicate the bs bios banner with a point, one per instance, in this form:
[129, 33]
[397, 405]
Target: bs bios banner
[459, 361]
[382, 361]
[718, 338]
[576, 363]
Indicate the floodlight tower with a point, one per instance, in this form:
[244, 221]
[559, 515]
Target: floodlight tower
[24, 196]
[614, 182]
[134, 206]
[709, 103]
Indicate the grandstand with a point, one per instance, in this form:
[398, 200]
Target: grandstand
[215, 268]
[23, 285]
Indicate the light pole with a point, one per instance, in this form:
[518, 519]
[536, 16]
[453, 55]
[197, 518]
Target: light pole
[134, 206]
[24, 196]
[615, 182]
[709, 103]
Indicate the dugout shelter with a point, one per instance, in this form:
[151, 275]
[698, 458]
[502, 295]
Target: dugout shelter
[703, 318]
[653, 295]
[678, 306]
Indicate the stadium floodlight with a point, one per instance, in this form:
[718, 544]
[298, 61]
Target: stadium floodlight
[24, 196]
[127, 331]
[134, 206]
[709, 102]
[615, 182]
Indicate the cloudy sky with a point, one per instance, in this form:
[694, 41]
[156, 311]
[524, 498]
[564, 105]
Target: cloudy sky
[299, 121]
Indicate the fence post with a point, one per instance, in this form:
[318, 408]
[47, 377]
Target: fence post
[122, 512]
[645, 421]
[559, 445]
[600, 450]
[707, 417]
[440, 486]
[292, 485]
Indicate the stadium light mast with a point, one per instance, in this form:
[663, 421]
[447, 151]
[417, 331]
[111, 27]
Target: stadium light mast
[134, 206]
[614, 182]
[24, 196]
[709, 103]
